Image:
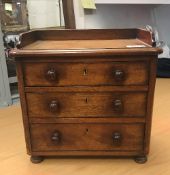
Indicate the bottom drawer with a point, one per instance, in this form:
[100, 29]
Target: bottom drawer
[87, 137]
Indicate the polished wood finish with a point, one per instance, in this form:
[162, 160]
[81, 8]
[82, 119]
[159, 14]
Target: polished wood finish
[124, 35]
[24, 108]
[87, 73]
[87, 137]
[86, 104]
[86, 100]
[83, 44]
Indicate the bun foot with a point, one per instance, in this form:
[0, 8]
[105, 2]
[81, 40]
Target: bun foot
[141, 159]
[36, 159]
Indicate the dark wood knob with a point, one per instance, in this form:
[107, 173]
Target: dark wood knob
[119, 75]
[118, 105]
[53, 106]
[51, 75]
[56, 137]
[117, 138]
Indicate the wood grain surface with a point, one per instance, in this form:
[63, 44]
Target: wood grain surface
[79, 73]
[86, 104]
[14, 160]
[89, 41]
[85, 44]
[86, 73]
[87, 137]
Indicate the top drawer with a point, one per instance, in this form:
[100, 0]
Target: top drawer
[97, 73]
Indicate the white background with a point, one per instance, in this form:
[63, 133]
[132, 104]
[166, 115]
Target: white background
[125, 16]
[43, 13]
[133, 1]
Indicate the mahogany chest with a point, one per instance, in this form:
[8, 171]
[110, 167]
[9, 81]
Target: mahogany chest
[87, 92]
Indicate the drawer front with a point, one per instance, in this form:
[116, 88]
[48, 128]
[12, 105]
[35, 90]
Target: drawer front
[98, 73]
[56, 137]
[104, 104]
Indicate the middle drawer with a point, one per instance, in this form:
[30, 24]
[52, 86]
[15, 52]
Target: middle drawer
[69, 104]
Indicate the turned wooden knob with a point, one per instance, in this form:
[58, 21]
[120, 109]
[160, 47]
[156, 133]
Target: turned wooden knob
[119, 75]
[53, 106]
[118, 105]
[117, 138]
[51, 75]
[56, 137]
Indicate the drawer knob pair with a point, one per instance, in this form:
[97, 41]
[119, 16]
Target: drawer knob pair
[117, 138]
[119, 75]
[51, 75]
[117, 106]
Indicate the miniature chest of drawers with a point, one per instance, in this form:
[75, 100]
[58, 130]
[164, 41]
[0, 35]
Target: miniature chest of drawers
[87, 92]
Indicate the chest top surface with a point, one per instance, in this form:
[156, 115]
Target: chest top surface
[85, 42]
